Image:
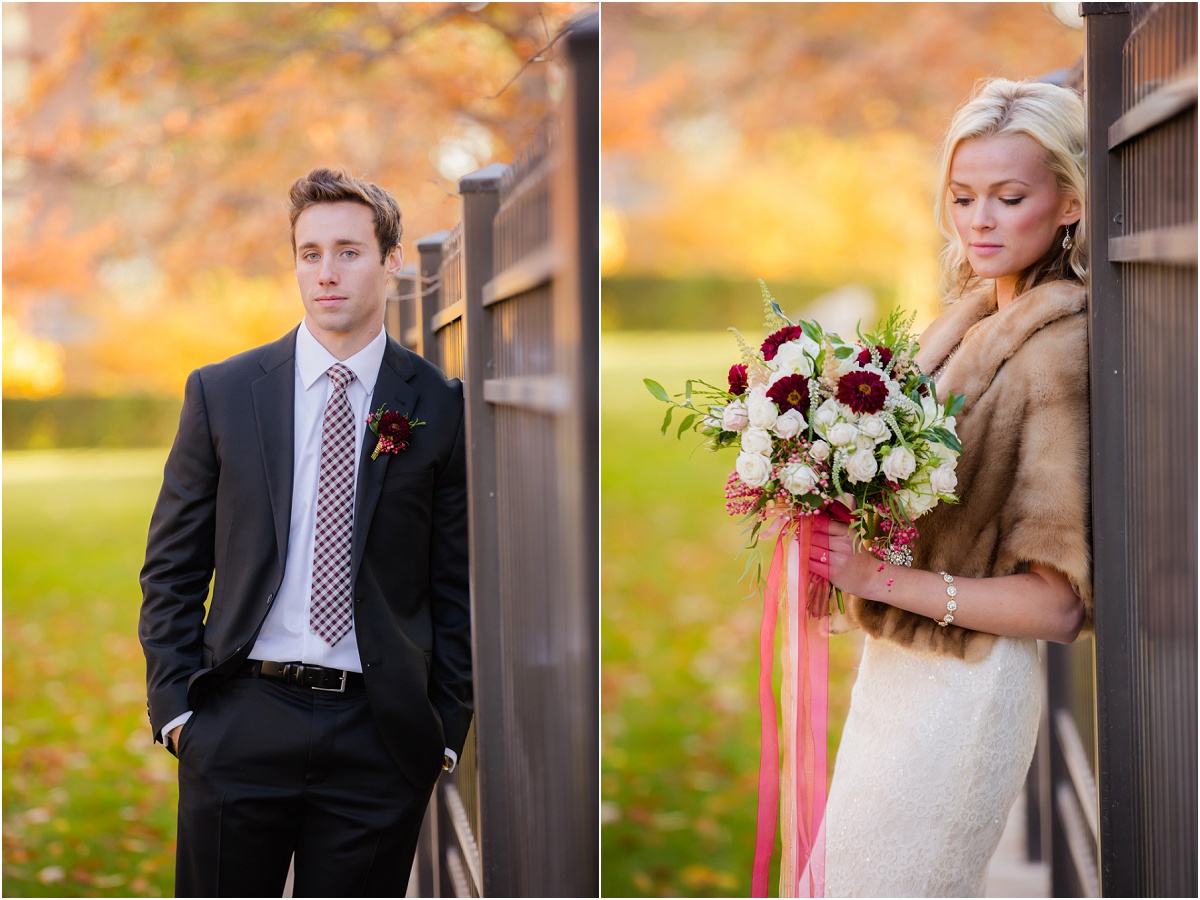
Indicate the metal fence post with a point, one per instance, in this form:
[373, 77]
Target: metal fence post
[429, 249]
[480, 193]
[575, 227]
[1107, 26]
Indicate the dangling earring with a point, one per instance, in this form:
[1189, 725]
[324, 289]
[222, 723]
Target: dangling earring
[1067, 239]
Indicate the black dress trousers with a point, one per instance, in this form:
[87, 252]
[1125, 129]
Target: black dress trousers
[268, 769]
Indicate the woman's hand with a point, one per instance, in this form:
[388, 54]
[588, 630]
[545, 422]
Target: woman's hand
[833, 557]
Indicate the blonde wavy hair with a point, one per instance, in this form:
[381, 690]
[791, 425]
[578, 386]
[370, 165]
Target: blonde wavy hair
[1054, 117]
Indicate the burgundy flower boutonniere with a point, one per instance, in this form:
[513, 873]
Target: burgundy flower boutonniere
[394, 430]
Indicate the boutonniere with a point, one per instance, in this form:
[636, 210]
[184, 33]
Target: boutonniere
[394, 430]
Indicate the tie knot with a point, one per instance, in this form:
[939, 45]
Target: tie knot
[340, 375]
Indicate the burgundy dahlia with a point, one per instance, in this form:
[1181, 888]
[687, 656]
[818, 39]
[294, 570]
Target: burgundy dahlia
[790, 392]
[737, 379]
[863, 392]
[885, 356]
[395, 428]
[773, 342]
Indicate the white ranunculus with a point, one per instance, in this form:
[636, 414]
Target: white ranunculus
[819, 451]
[756, 440]
[796, 356]
[753, 468]
[798, 478]
[943, 479]
[762, 409]
[789, 424]
[899, 464]
[874, 427]
[842, 434]
[735, 417]
[861, 466]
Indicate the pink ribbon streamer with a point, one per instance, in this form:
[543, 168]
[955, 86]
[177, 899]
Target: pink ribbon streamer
[805, 653]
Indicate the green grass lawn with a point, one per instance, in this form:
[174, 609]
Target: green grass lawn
[679, 639]
[89, 801]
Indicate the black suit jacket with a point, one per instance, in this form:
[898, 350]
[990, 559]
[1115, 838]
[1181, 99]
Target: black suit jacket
[223, 514]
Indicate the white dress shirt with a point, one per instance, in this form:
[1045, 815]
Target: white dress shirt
[286, 635]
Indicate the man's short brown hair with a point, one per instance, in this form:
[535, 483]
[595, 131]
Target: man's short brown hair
[338, 185]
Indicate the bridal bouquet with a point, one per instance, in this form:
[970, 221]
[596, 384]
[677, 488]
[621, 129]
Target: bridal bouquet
[819, 424]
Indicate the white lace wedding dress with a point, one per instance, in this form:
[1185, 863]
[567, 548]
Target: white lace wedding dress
[932, 757]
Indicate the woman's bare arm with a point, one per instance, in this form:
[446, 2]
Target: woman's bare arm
[1039, 604]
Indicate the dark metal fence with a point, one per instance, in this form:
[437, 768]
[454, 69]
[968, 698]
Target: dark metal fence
[1122, 707]
[508, 301]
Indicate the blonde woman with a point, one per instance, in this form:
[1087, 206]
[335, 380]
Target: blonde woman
[943, 717]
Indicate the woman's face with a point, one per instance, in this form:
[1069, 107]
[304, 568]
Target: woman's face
[1006, 206]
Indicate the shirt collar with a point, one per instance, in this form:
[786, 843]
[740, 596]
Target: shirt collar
[313, 360]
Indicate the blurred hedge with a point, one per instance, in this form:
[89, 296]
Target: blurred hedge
[704, 304]
[67, 422]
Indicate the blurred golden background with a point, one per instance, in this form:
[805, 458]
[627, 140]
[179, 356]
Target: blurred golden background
[794, 142]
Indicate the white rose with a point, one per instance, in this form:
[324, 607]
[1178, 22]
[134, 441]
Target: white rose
[754, 469]
[735, 417]
[861, 466]
[931, 410]
[842, 434]
[756, 440]
[819, 451]
[916, 503]
[899, 464]
[873, 427]
[798, 478]
[943, 479]
[762, 410]
[826, 415]
[789, 424]
[794, 357]
[864, 442]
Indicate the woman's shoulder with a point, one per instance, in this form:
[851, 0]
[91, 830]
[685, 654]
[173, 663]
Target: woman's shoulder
[1051, 364]
[1060, 322]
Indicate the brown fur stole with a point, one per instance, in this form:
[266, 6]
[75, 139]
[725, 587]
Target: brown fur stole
[1023, 477]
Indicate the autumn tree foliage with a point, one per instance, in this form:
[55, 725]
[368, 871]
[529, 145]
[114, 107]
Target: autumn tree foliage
[796, 139]
[148, 154]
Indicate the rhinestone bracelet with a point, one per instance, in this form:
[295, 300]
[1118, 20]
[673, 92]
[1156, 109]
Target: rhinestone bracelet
[951, 604]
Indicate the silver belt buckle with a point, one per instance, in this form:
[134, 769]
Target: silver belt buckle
[340, 689]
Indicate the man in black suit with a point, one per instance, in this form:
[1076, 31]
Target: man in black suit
[330, 683]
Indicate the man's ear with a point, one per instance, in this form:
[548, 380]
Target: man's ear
[394, 260]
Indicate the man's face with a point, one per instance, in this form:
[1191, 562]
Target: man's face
[342, 282]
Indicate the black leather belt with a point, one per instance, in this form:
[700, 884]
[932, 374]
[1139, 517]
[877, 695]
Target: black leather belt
[315, 678]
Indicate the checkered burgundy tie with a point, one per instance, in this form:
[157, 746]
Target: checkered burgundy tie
[330, 610]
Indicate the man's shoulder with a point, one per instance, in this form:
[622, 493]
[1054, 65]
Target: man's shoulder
[421, 371]
[252, 363]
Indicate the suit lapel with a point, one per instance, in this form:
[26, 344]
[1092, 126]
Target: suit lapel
[392, 388]
[274, 413]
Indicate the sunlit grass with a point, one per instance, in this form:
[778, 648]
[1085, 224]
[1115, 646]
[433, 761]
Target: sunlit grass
[89, 801]
[679, 639]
